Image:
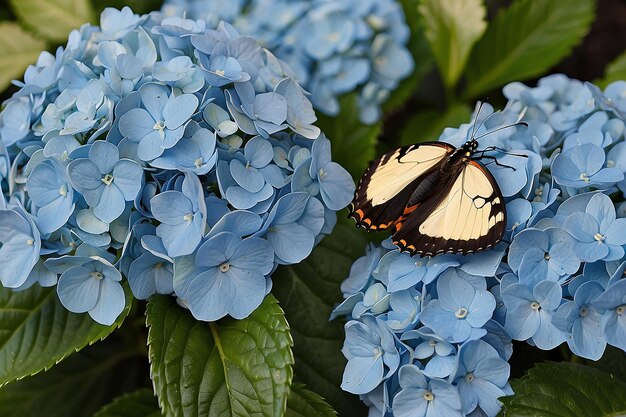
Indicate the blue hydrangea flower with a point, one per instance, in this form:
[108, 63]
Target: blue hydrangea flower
[583, 322]
[92, 285]
[21, 245]
[598, 234]
[195, 152]
[530, 311]
[160, 123]
[440, 354]
[482, 377]
[228, 277]
[371, 353]
[182, 215]
[420, 397]
[52, 194]
[613, 300]
[460, 310]
[583, 166]
[105, 180]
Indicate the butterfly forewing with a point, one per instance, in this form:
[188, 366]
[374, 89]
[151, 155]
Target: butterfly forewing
[466, 215]
[385, 190]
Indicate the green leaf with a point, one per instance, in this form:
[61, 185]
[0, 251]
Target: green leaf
[138, 6]
[140, 403]
[613, 361]
[226, 368]
[353, 143]
[525, 40]
[18, 49]
[452, 27]
[80, 385]
[615, 71]
[53, 19]
[307, 292]
[37, 331]
[422, 58]
[566, 390]
[304, 403]
[429, 125]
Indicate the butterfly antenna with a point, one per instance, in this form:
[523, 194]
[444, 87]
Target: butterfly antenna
[480, 106]
[502, 128]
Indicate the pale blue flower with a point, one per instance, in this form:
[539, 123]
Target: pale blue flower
[51, 193]
[20, 245]
[105, 180]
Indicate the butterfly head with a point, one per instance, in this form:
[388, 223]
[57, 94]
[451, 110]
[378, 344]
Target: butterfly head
[470, 146]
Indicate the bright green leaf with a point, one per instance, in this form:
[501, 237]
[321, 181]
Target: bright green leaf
[353, 143]
[566, 390]
[80, 385]
[138, 6]
[428, 125]
[452, 27]
[615, 71]
[140, 403]
[307, 292]
[53, 19]
[18, 49]
[525, 40]
[226, 368]
[37, 331]
[304, 403]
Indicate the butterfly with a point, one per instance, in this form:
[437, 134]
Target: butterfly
[434, 197]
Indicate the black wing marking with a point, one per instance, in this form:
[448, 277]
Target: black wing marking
[466, 215]
[385, 190]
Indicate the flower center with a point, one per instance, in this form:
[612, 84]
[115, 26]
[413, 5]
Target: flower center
[419, 263]
[188, 217]
[158, 265]
[198, 162]
[546, 256]
[469, 377]
[610, 163]
[599, 237]
[107, 179]
[432, 343]
[461, 313]
[535, 305]
[220, 72]
[429, 396]
[63, 190]
[333, 37]
[97, 275]
[30, 242]
[224, 267]
[621, 309]
[583, 176]
[322, 174]
[584, 311]
[160, 126]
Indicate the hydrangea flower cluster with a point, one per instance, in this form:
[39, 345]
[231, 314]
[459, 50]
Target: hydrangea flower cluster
[334, 46]
[432, 336]
[179, 155]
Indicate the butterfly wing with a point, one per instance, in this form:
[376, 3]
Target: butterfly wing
[466, 215]
[386, 187]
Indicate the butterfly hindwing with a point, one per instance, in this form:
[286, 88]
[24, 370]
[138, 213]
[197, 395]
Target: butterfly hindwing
[383, 195]
[465, 215]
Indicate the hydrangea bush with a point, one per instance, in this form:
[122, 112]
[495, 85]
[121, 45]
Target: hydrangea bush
[432, 336]
[335, 47]
[176, 153]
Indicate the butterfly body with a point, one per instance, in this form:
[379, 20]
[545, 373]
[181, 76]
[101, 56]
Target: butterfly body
[434, 197]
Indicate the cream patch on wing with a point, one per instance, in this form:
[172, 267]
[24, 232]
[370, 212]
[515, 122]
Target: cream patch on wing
[390, 178]
[465, 213]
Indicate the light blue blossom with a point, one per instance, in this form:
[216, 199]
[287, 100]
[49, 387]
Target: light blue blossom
[482, 377]
[420, 397]
[52, 194]
[228, 277]
[182, 215]
[160, 123]
[598, 234]
[613, 300]
[583, 166]
[371, 353]
[105, 180]
[460, 310]
[195, 152]
[92, 285]
[530, 311]
[440, 354]
[20, 245]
